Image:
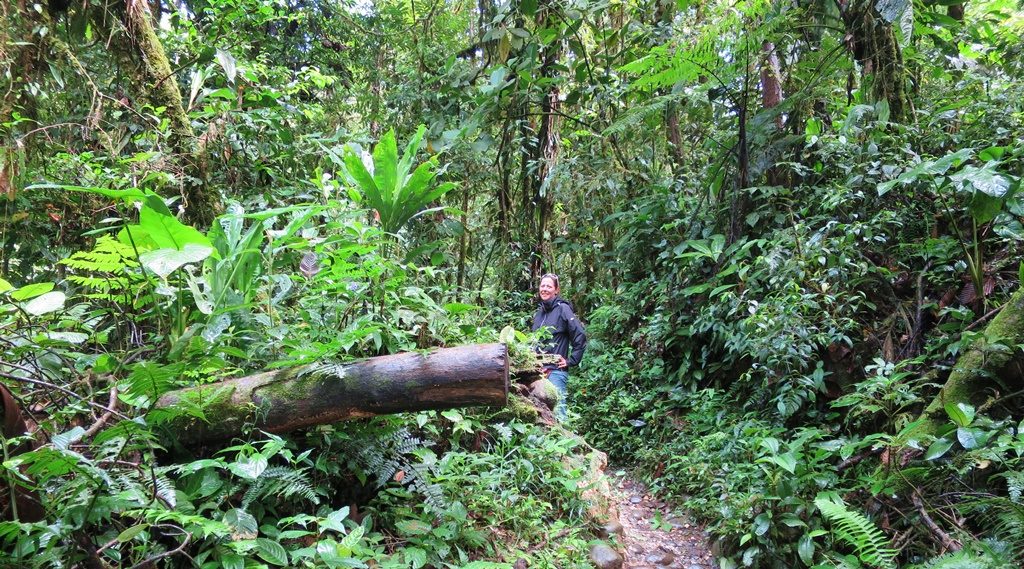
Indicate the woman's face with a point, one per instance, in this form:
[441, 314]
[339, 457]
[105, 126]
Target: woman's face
[548, 289]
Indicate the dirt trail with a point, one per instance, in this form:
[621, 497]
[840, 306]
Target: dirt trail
[657, 534]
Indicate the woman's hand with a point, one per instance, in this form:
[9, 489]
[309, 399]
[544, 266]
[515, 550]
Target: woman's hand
[562, 364]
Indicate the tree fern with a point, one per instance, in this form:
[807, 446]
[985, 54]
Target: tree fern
[853, 528]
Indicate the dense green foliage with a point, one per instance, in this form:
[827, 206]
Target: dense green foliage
[783, 222]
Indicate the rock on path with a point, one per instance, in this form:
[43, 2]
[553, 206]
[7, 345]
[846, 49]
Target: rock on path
[655, 535]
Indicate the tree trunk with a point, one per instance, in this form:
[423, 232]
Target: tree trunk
[460, 279]
[547, 147]
[675, 138]
[17, 501]
[771, 97]
[873, 44]
[289, 399]
[138, 44]
[771, 80]
[993, 363]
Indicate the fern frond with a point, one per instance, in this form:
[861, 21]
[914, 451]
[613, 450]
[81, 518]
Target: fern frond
[165, 490]
[857, 531]
[1014, 484]
[384, 451]
[325, 370]
[102, 285]
[1002, 518]
[665, 66]
[635, 116]
[148, 381]
[107, 256]
[975, 555]
[280, 482]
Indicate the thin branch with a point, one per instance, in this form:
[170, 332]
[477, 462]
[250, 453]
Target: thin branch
[111, 407]
[151, 561]
[565, 116]
[947, 542]
[49, 385]
[986, 316]
[858, 458]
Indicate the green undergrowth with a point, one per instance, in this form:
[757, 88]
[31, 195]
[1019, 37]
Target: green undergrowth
[758, 480]
[425, 490]
[758, 484]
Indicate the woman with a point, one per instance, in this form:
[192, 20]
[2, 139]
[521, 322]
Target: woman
[567, 332]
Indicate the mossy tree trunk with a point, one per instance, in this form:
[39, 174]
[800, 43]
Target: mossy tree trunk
[137, 43]
[289, 399]
[993, 365]
[873, 44]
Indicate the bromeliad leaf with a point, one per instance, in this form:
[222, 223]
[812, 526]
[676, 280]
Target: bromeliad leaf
[396, 195]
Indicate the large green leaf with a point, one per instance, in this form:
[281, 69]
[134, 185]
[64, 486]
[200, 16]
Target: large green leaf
[927, 170]
[46, 303]
[166, 232]
[271, 551]
[31, 291]
[961, 413]
[891, 10]
[405, 164]
[163, 262]
[362, 177]
[988, 189]
[396, 195]
[938, 448]
[242, 523]
[129, 195]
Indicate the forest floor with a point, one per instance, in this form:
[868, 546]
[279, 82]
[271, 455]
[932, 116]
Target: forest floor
[657, 534]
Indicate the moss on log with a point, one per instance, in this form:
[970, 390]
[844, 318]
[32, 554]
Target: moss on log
[289, 399]
[993, 362]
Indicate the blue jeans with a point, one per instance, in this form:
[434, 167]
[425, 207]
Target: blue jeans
[560, 379]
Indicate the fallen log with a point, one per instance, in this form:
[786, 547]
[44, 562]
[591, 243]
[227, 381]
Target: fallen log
[288, 399]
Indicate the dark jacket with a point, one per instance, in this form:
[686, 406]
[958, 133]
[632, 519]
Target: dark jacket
[566, 330]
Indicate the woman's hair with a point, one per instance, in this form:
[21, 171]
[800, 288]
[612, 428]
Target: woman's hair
[551, 276]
